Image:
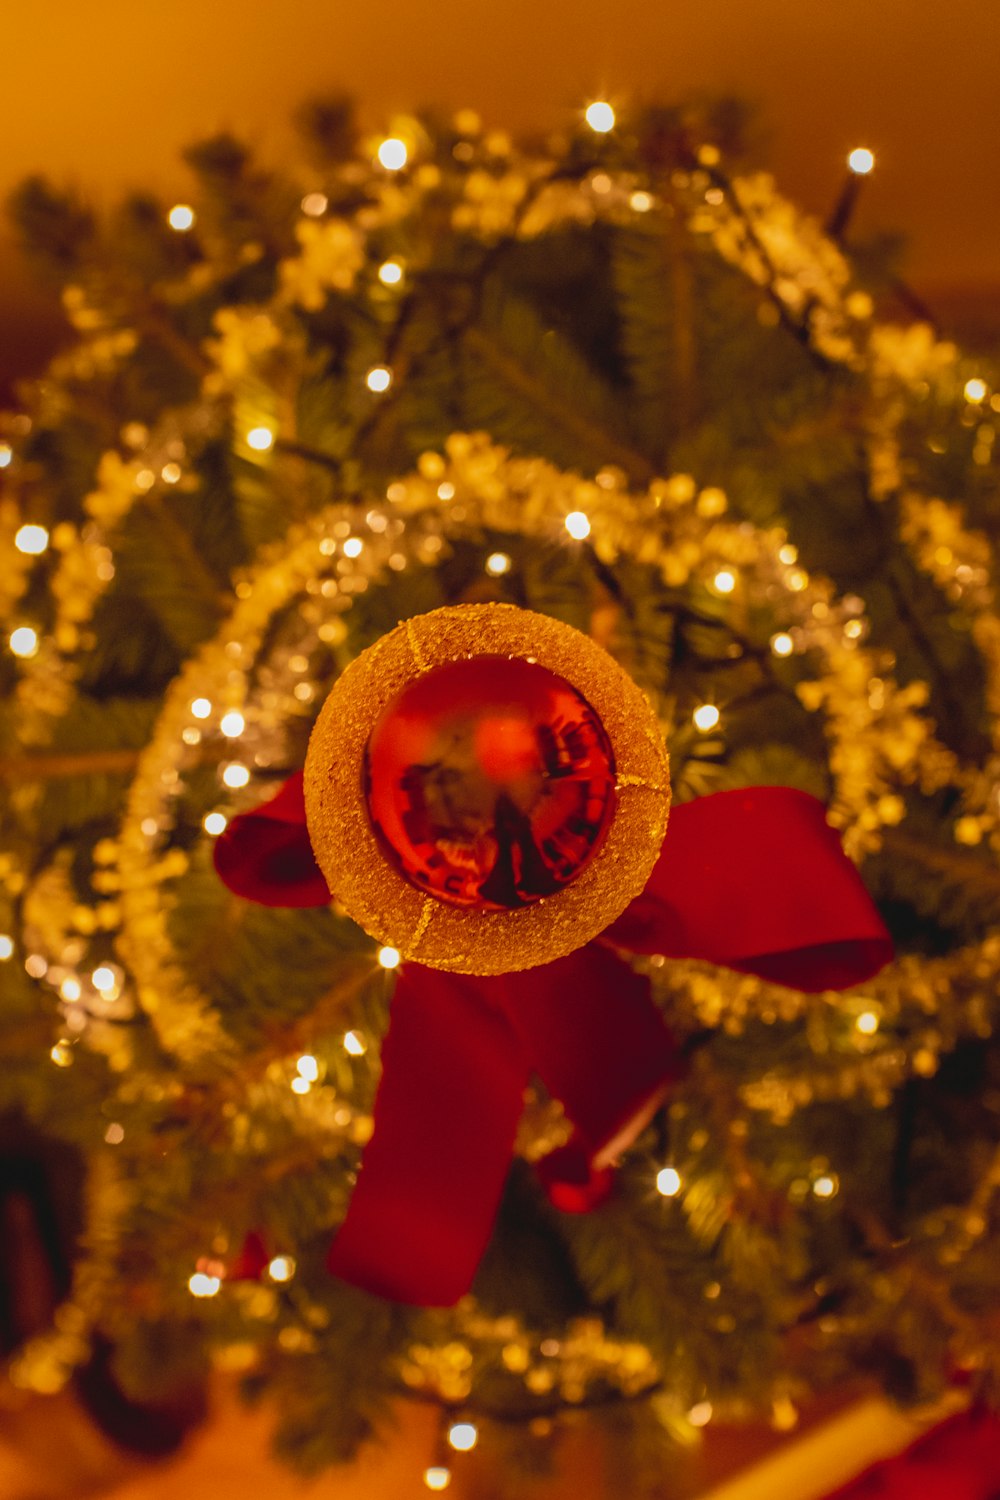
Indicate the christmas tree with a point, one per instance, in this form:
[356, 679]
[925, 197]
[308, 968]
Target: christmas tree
[616, 379]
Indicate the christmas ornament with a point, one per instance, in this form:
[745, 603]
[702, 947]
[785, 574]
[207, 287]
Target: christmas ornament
[421, 752]
[486, 789]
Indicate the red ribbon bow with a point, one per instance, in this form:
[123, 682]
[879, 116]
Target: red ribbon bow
[752, 879]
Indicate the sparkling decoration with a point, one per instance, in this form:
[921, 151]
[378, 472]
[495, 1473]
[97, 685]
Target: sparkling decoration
[490, 781]
[390, 905]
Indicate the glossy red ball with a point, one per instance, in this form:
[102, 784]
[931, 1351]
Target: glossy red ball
[490, 782]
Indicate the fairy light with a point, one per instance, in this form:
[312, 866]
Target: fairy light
[578, 525]
[700, 1414]
[437, 1477]
[214, 823]
[115, 1134]
[281, 1268]
[867, 1023]
[6, 454]
[825, 1186]
[35, 966]
[300, 1085]
[446, 490]
[201, 708]
[378, 379]
[640, 202]
[600, 116]
[355, 1044]
[389, 958]
[353, 546]
[392, 153]
[62, 1055]
[260, 439]
[668, 1182]
[181, 217]
[235, 775]
[24, 641]
[70, 990]
[782, 644]
[6, 947]
[706, 716]
[390, 273]
[200, 1285]
[104, 979]
[724, 582]
[170, 473]
[308, 1067]
[315, 205]
[31, 539]
[861, 161]
[497, 564]
[975, 391]
[232, 724]
[463, 1436]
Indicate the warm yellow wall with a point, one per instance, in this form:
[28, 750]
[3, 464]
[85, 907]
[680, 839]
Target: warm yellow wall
[104, 91]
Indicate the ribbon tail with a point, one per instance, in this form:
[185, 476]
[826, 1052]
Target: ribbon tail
[600, 1045]
[756, 880]
[264, 855]
[446, 1115]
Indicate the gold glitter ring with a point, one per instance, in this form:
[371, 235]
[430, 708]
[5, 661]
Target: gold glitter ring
[372, 890]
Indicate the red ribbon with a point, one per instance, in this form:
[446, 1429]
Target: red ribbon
[755, 880]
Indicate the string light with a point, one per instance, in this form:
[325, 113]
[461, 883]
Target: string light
[668, 1182]
[378, 379]
[6, 947]
[700, 1414]
[115, 1134]
[181, 217]
[867, 1023]
[308, 1067]
[200, 1285]
[300, 1085]
[353, 546]
[281, 1268]
[975, 391]
[170, 473]
[825, 1186]
[31, 539]
[24, 641]
[355, 1044]
[463, 1436]
[446, 490]
[497, 564]
[201, 708]
[235, 775]
[232, 724]
[641, 201]
[861, 161]
[600, 116]
[260, 439]
[578, 525]
[390, 273]
[315, 205]
[724, 582]
[437, 1477]
[706, 716]
[6, 454]
[392, 153]
[105, 979]
[70, 990]
[389, 958]
[61, 1055]
[782, 644]
[214, 823]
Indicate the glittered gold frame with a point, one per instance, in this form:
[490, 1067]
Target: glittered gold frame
[422, 927]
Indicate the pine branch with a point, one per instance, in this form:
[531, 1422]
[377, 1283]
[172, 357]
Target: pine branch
[60, 766]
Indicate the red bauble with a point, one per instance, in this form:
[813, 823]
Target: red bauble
[490, 782]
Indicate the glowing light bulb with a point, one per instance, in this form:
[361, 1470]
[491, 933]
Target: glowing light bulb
[782, 644]
[578, 525]
[390, 273]
[236, 775]
[446, 490]
[308, 1067]
[668, 1182]
[378, 379]
[32, 540]
[70, 990]
[392, 153]
[201, 708]
[260, 439]
[700, 1414]
[640, 201]
[825, 1186]
[61, 1055]
[463, 1436]
[170, 473]
[724, 582]
[6, 947]
[24, 641]
[437, 1477]
[315, 205]
[600, 116]
[181, 217]
[706, 716]
[355, 1044]
[214, 823]
[861, 161]
[497, 564]
[353, 546]
[200, 1285]
[975, 391]
[104, 978]
[115, 1134]
[300, 1085]
[867, 1023]
[389, 958]
[6, 454]
[281, 1268]
[232, 724]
